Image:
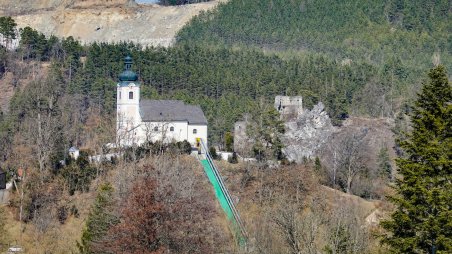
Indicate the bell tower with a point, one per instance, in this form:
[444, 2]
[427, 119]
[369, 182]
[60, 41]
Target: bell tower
[127, 105]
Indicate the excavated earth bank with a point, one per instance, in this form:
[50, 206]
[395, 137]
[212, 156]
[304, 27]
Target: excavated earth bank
[104, 20]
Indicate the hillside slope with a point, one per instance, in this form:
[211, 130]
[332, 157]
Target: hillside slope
[414, 32]
[105, 21]
[8, 7]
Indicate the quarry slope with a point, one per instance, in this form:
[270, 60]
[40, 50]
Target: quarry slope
[13, 7]
[104, 21]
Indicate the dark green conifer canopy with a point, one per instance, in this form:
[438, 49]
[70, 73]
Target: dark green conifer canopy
[422, 221]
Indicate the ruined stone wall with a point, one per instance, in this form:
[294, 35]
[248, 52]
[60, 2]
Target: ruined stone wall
[240, 137]
[305, 133]
[289, 106]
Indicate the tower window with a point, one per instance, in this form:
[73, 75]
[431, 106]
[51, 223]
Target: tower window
[156, 128]
[130, 95]
[195, 131]
[119, 96]
[171, 128]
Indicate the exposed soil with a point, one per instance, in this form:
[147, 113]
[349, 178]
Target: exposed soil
[105, 21]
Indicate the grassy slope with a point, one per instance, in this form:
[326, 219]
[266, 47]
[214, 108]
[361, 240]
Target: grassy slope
[59, 238]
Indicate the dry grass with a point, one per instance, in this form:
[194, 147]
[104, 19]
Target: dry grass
[62, 238]
[58, 238]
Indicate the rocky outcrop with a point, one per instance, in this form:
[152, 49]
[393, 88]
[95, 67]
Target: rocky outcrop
[311, 134]
[306, 135]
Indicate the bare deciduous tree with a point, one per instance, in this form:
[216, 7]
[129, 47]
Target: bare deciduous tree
[178, 217]
[348, 159]
[346, 232]
[351, 156]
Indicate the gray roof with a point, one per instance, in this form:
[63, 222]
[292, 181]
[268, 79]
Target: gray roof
[171, 110]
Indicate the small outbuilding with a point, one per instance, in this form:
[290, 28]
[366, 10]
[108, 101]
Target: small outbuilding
[74, 153]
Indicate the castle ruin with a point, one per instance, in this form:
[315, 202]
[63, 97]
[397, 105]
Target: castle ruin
[289, 106]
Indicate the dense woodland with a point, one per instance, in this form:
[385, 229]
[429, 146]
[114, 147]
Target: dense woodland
[391, 42]
[360, 58]
[350, 29]
[225, 82]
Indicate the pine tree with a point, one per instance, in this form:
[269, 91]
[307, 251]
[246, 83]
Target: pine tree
[384, 163]
[99, 220]
[8, 29]
[422, 220]
[266, 128]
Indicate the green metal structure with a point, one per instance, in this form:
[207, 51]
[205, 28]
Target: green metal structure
[223, 196]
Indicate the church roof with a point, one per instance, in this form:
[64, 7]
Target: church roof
[128, 76]
[171, 110]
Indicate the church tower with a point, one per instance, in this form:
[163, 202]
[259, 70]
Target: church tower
[128, 105]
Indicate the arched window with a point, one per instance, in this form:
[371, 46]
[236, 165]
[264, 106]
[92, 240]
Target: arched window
[195, 131]
[130, 95]
[171, 128]
[156, 128]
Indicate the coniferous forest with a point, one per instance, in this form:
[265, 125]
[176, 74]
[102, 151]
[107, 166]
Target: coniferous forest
[361, 58]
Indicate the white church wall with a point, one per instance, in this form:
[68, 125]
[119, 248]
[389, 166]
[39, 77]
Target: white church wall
[123, 94]
[201, 132]
[129, 106]
[180, 131]
[162, 131]
[130, 128]
[128, 134]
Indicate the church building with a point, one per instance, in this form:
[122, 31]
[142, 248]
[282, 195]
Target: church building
[140, 121]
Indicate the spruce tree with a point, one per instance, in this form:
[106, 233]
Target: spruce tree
[8, 29]
[422, 221]
[100, 219]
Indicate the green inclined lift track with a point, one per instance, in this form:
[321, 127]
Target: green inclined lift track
[223, 196]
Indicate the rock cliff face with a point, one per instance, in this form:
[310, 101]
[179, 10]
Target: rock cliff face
[312, 135]
[307, 134]
[104, 20]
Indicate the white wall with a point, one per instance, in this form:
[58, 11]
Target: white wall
[128, 114]
[131, 129]
[201, 133]
[182, 131]
[163, 133]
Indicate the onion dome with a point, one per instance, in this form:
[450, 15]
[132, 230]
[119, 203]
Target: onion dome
[128, 75]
